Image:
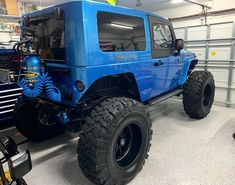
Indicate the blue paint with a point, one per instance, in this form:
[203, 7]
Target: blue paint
[186, 58]
[31, 65]
[63, 117]
[87, 63]
[7, 51]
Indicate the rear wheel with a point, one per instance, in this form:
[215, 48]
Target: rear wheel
[199, 92]
[114, 142]
[35, 122]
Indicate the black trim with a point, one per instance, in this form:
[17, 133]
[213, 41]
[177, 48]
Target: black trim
[161, 52]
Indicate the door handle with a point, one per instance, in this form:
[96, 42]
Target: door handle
[159, 63]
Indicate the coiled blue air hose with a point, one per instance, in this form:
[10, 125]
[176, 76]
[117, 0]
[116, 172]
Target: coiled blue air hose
[34, 91]
[52, 92]
[43, 80]
[35, 75]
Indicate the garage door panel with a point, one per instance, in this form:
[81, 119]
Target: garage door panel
[197, 33]
[219, 53]
[233, 81]
[200, 52]
[220, 76]
[233, 97]
[214, 47]
[220, 95]
[5, 36]
[221, 31]
[199, 68]
[180, 33]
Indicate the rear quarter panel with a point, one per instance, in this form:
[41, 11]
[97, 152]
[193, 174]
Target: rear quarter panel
[99, 63]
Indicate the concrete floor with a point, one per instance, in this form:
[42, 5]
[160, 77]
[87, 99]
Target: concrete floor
[184, 152]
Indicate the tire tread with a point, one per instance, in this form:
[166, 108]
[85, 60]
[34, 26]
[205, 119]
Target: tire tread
[96, 132]
[193, 94]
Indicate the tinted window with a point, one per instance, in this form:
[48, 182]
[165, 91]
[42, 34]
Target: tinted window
[48, 33]
[162, 36]
[119, 32]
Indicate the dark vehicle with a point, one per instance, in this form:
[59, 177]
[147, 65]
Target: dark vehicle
[9, 90]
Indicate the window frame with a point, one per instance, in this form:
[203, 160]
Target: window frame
[117, 13]
[159, 51]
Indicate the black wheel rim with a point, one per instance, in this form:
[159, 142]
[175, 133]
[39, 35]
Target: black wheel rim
[45, 119]
[127, 146]
[207, 95]
[123, 143]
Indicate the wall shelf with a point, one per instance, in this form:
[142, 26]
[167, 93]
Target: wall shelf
[10, 18]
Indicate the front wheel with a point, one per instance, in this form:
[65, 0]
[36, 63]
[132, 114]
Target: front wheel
[199, 92]
[114, 142]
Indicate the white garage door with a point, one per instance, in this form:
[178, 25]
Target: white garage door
[214, 45]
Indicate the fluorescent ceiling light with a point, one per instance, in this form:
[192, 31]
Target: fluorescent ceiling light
[176, 1]
[122, 26]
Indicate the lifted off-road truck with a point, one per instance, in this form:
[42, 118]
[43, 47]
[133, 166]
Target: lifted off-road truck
[96, 67]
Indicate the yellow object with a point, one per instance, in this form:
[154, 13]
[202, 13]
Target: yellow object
[112, 2]
[12, 8]
[30, 74]
[8, 176]
[213, 53]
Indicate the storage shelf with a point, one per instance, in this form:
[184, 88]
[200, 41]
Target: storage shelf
[10, 17]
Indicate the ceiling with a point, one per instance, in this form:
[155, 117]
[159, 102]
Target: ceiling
[153, 5]
[147, 5]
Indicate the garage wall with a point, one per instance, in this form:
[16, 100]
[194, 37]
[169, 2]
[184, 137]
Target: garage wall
[6, 36]
[214, 45]
[190, 9]
[8, 32]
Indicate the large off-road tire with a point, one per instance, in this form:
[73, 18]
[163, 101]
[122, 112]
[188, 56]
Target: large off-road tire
[29, 123]
[199, 92]
[115, 141]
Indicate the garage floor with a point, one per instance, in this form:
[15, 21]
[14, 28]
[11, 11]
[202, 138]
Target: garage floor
[184, 152]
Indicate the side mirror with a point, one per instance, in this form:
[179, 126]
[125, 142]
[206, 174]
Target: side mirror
[179, 44]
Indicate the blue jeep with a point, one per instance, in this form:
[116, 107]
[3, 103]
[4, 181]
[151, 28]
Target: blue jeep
[98, 67]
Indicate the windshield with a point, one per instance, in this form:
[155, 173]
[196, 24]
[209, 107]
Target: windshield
[48, 36]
